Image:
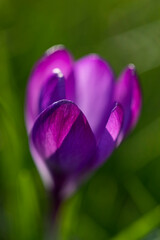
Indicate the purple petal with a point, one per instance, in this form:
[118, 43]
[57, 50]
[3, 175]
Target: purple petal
[136, 103]
[123, 95]
[94, 91]
[52, 91]
[128, 93]
[63, 138]
[107, 143]
[56, 57]
[42, 168]
[109, 138]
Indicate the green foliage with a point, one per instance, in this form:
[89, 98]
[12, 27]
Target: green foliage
[121, 201]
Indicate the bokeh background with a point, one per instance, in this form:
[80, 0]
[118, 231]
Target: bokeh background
[121, 201]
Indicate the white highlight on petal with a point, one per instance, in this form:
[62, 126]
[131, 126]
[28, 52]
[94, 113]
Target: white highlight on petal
[53, 49]
[132, 67]
[58, 72]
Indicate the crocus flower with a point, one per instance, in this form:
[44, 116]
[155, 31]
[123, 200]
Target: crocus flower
[77, 114]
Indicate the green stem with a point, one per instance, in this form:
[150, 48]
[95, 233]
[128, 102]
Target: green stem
[53, 223]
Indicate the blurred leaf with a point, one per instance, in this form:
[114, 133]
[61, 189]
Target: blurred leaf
[140, 46]
[141, 227]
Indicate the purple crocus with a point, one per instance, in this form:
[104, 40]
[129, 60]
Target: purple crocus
[77, 114]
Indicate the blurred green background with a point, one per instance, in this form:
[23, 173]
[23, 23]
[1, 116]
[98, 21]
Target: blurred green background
[121, 201]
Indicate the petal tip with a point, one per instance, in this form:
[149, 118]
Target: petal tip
[132, 68]
[54, 49]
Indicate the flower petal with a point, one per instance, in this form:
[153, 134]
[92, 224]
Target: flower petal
[123, 95]
[94, 90]
[110, 135]
[128, 93]
[42, 168]
[63, 138]
[136, 103]
[52, 91]
[56, 57]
